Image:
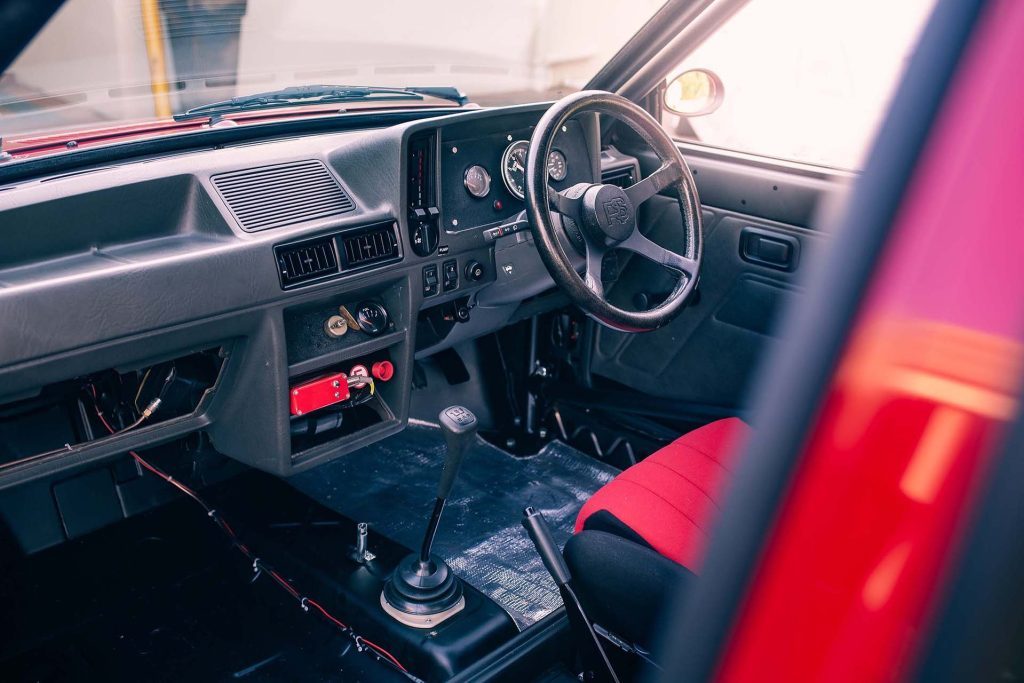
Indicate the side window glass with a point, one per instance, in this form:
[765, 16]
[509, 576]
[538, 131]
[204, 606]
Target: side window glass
[800, 80]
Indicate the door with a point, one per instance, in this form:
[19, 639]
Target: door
[774, 113]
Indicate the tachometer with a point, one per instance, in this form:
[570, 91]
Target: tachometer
[513, 168]
[558, 167]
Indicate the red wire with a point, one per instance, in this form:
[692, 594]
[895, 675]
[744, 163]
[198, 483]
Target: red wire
[280, 580]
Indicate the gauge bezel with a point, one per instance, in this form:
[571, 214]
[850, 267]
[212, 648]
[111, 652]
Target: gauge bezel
[487, 181]
[519, 194]
[565, 165]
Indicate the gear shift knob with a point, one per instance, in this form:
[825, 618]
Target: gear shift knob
[459, 427]
[423, 592]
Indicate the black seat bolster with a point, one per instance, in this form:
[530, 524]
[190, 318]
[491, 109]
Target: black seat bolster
[623, 585]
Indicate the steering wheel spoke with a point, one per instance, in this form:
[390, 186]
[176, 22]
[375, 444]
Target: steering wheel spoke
[561, 202]
[639, 244]
[593, 272]
[666, 176]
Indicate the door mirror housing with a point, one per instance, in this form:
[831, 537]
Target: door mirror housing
[696, 92]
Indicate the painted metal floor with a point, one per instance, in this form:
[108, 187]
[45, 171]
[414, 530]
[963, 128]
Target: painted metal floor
[392, 484]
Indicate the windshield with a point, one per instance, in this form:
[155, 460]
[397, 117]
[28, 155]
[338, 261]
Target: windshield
[107, 62]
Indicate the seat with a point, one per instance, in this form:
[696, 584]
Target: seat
[644, 533]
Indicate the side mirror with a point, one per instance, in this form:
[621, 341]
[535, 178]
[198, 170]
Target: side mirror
[696, 92]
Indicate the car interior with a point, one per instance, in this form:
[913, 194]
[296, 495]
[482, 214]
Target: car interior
[334, 399]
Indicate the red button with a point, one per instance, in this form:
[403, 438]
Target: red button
[383, 370]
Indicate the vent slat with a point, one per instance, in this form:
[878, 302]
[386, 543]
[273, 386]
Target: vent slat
[241, 186]
[623, 177]
[369, 247]
[311, 186]
[303, 217]
[307, 261]
[311, 202]
[285, 194]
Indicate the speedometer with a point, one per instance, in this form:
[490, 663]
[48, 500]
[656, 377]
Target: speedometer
[513, 168]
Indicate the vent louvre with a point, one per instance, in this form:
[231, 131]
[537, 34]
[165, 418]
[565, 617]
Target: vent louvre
[307, 261]
[371, 246]
[622, 177]
[337, 254]
[285, 194]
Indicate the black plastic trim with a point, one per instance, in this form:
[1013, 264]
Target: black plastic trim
[523, 656]
[341, 266]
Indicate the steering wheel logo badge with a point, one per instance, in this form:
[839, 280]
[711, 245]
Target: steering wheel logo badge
[616, 210]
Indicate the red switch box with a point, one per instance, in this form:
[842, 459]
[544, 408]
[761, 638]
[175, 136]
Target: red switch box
[318, 393]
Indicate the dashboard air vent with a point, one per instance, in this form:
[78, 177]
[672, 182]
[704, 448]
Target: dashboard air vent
[306, 261]
[284, 194]
[373, 245]
[623, 177]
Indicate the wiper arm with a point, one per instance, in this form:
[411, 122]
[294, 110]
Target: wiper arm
[316, 94]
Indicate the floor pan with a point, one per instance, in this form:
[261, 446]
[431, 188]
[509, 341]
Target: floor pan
[391, 485]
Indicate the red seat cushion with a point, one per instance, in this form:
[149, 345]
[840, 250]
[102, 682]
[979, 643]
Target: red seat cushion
[671, 497]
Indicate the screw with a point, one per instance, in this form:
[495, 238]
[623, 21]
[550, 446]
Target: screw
[542, 432]
[455, 150]
[510, 442]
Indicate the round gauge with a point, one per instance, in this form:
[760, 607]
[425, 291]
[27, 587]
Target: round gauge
[558, 167]
[513, 168]
[477, 181]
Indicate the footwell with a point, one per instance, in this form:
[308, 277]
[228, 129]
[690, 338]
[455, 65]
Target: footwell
[391, 485]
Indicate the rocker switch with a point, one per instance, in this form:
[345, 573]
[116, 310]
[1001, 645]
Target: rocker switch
[450, 274]
[430, 281]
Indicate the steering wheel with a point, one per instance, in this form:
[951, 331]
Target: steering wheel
[597, 218]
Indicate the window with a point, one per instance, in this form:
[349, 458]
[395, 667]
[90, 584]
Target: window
[802, 80]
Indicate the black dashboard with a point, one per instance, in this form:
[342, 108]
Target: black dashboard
[263, 262]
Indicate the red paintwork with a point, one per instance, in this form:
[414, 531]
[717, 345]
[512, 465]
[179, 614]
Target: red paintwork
[859, 554]
[671, 498]
[27, 146]
[318, 393]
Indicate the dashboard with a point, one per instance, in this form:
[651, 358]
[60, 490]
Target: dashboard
[269, 265]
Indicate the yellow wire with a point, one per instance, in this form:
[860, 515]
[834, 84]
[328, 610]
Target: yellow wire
[142, 384]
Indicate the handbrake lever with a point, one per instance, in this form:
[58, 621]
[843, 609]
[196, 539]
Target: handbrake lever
[540, 533]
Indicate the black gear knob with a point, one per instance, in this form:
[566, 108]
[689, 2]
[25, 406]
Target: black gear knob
[459, 427]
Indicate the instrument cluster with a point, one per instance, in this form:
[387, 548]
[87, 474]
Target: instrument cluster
[477, 180]
[483, 177]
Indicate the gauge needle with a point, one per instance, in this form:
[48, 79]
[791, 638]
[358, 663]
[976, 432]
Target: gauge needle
[518, 166]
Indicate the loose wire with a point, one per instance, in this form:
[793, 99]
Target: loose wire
[258, 565]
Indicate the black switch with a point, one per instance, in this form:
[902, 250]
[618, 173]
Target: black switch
[430, 282]
[450, 271]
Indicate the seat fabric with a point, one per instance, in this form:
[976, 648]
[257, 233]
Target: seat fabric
[671, 498]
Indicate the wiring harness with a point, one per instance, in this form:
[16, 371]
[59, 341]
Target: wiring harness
[259, 566]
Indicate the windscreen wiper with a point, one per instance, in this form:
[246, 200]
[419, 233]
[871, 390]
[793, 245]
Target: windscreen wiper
[317, 94]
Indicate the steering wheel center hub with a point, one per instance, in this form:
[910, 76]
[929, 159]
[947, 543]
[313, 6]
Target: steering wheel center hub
[608, 213]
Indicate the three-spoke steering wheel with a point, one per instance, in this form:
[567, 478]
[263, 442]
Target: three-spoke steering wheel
[604, 217]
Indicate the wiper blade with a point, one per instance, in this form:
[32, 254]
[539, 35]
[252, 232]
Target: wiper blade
[316, 94]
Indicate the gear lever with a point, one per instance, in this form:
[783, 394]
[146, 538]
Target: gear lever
[423, 592]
